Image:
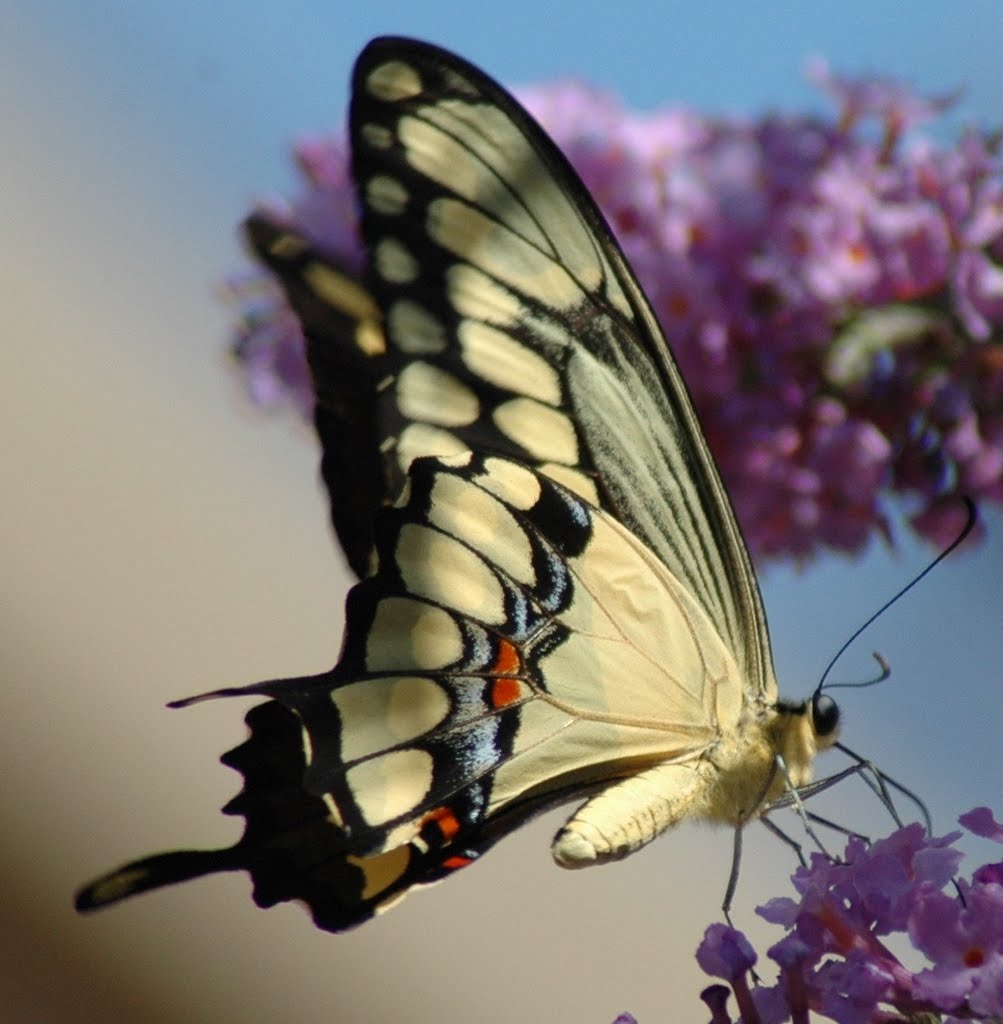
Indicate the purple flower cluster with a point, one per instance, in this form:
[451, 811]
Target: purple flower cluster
[833, 294]
[834, 960]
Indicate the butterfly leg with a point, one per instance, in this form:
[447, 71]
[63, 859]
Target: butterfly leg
[835, 826]
[880, 782]
[736, 864]
[786, 839]
[729, 892]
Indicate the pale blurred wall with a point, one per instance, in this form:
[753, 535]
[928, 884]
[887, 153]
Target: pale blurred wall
[157, 538]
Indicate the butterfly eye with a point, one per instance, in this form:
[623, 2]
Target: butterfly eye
[825, 715]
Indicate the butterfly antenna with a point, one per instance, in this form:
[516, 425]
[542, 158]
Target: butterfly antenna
[963, 533]
[886, 671]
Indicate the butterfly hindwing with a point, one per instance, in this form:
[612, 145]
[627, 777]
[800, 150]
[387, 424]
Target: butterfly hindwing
[289, 846]
[487, 668]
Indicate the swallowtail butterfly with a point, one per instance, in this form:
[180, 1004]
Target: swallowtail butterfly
[556, 602]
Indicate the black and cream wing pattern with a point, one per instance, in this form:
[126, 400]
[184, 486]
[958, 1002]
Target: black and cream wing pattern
[556, 603]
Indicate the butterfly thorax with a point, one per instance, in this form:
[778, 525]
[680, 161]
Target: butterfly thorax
[747, 762]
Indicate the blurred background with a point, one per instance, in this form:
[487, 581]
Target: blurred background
[159, 538]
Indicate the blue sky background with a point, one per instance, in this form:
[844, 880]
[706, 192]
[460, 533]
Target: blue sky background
[159, 538]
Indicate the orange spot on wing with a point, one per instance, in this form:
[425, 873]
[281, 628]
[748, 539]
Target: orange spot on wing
[453, 863]
[505, 691]
[507, 663]
[446, 820]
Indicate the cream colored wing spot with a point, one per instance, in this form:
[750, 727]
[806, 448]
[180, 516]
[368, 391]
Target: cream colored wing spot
[411, 635]
[415, 331]
[379, 136]
[431, 395]
[419, 439]
[552, 330]
[381, 871]
[333, 811]
[377, 714]
[462, 509]
[469, 233]
[394, 262]
[440, 158]
[514, 484]
[546, 433]
[543, 215]
[501, 360]
[574, 480]
[393, 81]
[307, 745]
[441, 569]
[118, 885]
[369, 338]
[386, 195]
[341, 291]
[443, 147]
[287, 246]
[391, 785]
[478, 297]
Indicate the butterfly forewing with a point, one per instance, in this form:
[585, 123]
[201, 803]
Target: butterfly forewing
[516, 327]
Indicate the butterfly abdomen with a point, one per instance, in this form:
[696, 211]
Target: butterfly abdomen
[629, 814]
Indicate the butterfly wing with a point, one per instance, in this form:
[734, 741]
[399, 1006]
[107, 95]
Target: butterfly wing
[343, 330]
[560, 594]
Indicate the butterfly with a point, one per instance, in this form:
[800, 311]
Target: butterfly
[555, 600]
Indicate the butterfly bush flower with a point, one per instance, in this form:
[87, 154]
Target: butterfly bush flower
[834, 962]
[832, 288]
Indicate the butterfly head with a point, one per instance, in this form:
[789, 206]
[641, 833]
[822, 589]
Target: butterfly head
[802, 730]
